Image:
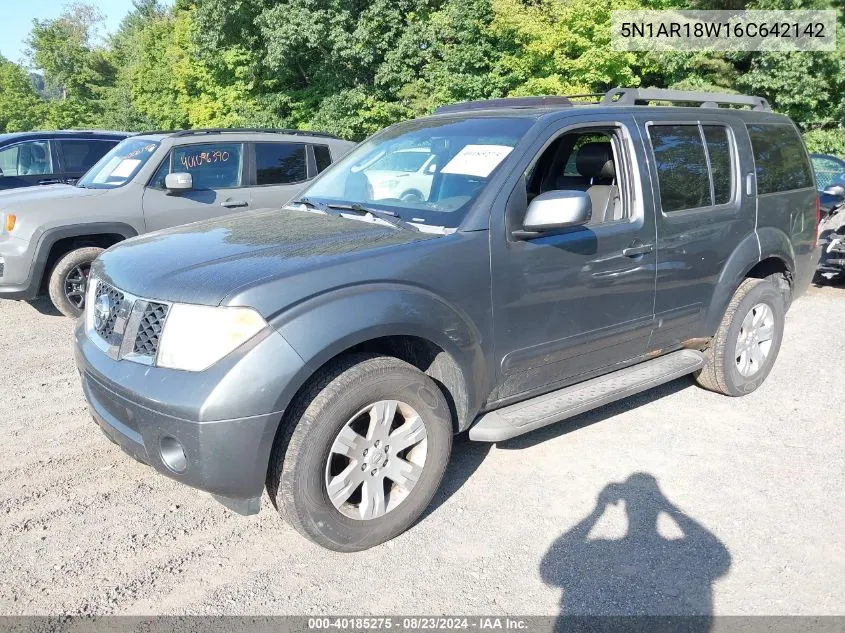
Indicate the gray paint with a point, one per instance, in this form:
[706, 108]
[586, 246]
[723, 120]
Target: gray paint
[514, 318]
[73, 211]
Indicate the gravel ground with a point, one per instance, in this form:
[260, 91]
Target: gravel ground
[732, 506]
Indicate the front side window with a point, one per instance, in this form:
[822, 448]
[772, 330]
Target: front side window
[211, 165]
[26, 159]
[80, 155]
[120, 165]
[695, 167]
[280, 163]
[780, 161]
[460, 155]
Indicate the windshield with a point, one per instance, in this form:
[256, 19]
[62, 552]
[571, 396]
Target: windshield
[120, 165]
[427, 171]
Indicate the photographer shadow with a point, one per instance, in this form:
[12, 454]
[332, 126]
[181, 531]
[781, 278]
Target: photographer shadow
[606, 581]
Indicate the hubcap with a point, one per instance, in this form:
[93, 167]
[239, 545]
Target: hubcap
[376, 460]
[75, 282]
[755, 339]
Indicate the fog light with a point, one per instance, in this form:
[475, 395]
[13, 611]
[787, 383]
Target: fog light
[173, 455]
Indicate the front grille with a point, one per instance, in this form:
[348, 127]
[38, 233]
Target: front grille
[107, 303]
[149, 329]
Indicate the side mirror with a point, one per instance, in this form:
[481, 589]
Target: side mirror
[178, 182]
[432, 167]
[555, 210]
[835, 191]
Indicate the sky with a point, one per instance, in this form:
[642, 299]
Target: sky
[17, 17]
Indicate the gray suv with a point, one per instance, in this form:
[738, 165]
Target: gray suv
[562, 256]
[51, 234]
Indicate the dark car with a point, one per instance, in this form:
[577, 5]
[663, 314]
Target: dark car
[49, 158]
[830, 171]
[563, 257]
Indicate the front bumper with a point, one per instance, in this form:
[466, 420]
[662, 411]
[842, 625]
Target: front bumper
[16, 278]
[224, 419]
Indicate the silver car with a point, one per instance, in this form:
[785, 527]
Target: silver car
[50, 235]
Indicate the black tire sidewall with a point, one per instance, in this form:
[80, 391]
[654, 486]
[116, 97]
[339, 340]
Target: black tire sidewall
[304, 474]
[60, 271]
[736, 383]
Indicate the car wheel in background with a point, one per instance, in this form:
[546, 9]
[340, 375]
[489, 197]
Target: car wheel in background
[69, 278]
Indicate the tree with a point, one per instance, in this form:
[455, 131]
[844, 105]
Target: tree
[64, 49]
[20, 106]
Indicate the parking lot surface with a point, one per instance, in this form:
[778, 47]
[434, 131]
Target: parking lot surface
[674, 501]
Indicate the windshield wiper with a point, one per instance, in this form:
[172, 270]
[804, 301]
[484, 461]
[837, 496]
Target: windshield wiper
[390, 217]
[308, 202]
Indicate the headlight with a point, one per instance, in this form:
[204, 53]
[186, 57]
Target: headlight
[196, 337]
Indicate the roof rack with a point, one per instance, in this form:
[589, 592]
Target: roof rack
[507, 102]
[633, 96]
[242, 130]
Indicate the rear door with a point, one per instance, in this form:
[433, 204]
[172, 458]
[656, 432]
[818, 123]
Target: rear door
[279, 171]
[77, 156]
[703, 213]
[28, 163]
[218, 171]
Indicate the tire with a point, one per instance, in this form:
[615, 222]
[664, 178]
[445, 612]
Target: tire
[723, 369]
[303, 461]
[62, 276]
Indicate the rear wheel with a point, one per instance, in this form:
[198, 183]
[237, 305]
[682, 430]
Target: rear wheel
[745, 347]
[363, 452]
[69, 279]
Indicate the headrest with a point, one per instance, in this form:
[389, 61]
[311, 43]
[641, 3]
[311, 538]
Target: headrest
[595, 160]
[38, 152]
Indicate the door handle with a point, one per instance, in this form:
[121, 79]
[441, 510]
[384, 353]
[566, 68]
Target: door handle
[234, 204]
[634, 251]
[50, 181]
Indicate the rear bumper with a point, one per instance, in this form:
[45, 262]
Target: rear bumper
[211, 430]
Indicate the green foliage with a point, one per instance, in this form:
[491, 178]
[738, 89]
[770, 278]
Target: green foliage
[353, 66]
[20, 106]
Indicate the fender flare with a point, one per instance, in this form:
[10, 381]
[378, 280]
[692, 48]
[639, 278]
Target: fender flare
[49, 237]
[750, 252]
[324, 326]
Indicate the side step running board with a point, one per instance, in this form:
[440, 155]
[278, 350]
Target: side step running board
[522, 417]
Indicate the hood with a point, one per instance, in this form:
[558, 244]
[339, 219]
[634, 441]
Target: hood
[20, 199]
[205, 261]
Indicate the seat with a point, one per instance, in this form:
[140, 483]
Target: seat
[594, 161]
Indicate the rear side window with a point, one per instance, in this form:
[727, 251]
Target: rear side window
[695, 167]
[719, 150]
[681, 167]
[81, 155]
[323, 157]
[779, 158]
[280, 163]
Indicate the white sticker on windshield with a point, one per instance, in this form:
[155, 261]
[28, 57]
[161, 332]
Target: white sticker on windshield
[477, 160]
[125, 168]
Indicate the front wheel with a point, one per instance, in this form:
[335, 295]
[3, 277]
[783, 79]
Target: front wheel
[362, 454]
[744, 349]
[69, 278]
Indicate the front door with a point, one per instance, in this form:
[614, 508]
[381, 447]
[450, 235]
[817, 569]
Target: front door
[579, 301]
[217, 170]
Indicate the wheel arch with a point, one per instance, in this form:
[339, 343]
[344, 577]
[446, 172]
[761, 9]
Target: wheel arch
[395, 320]
[56, 242]
[762, 254]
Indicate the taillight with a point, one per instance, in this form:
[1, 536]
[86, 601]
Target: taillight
[818, 220]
